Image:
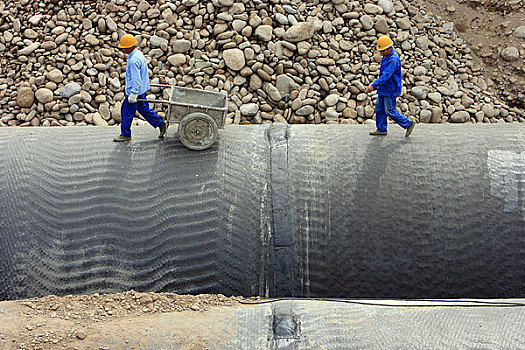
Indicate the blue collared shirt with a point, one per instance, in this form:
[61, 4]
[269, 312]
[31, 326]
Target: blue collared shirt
[389, 81]
[137, 79]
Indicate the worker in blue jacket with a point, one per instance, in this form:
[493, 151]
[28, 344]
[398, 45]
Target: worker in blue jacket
[137, 83]
[388, 87]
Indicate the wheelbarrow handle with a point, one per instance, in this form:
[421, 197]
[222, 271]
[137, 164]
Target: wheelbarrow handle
[156, 101]
[152, 101]
[160, 85]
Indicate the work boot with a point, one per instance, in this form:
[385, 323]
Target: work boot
[410, 128]
[378, 133]
[162, 130]
[121, 138]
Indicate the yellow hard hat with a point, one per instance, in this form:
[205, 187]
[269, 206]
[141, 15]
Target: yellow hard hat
[127, 41]
[384, 42]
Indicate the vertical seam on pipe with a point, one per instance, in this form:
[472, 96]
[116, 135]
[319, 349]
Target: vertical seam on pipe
[281, 211]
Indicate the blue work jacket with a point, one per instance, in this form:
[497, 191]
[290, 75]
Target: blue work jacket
[137, 79]
[389, 81]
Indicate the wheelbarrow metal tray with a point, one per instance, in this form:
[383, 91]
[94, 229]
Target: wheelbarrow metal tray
[184, 101]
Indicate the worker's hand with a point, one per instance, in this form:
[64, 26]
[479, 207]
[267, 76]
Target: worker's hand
[132, 98]
[369, 88]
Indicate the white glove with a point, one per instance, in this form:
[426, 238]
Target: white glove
[132, 98]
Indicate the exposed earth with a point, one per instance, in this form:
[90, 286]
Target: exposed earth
[114, 321]
[487, 26]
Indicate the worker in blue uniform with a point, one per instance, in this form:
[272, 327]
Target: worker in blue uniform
[137, 83]
[388, 87]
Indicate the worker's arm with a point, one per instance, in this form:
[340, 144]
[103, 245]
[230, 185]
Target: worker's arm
[387, 73]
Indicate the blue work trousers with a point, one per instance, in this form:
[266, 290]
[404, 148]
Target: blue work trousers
[386, 107]
[128, 112]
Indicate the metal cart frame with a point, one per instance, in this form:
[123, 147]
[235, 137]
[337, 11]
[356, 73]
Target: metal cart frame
[198, 122]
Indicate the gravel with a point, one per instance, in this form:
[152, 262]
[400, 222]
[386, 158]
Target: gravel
[266, 53]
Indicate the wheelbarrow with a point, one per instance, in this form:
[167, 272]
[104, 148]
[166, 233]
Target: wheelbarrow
[199, 113]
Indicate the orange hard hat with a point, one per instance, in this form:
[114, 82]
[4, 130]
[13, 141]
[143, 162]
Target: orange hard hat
[127, 41]
[384, 42]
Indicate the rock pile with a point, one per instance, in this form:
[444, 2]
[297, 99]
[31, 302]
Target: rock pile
[279, 61]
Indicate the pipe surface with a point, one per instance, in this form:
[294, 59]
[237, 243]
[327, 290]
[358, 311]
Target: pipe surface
[323, 211]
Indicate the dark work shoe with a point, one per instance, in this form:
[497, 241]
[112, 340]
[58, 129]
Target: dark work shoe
[121, 138]
[378, 133]
[162, 130]
[410, 128]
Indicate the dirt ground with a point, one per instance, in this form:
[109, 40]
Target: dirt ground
[487, 26]
[114, 321]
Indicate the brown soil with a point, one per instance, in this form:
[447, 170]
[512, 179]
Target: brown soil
[113, 321]
[487, 26]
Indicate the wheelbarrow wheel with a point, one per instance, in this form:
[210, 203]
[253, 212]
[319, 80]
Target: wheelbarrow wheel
[198, 131]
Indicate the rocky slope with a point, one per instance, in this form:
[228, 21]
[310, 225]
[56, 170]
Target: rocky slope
[279, 60]
[495, 30]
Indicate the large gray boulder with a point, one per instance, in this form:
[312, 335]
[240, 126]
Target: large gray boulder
[425, 116]
[44, 95]
[520, 32]
[156, 41]
[367, 22]
[460, 117]
[177, 60]
[55, 75]
[386, 5]
[273, 93]
[181, 46]
[299, 32]
[70, 90]
[264, 32]
[420, 92]
[249, 109]
[305, 110]
[510, 53]
[234, 59]
[285, 84]
[98, 120]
